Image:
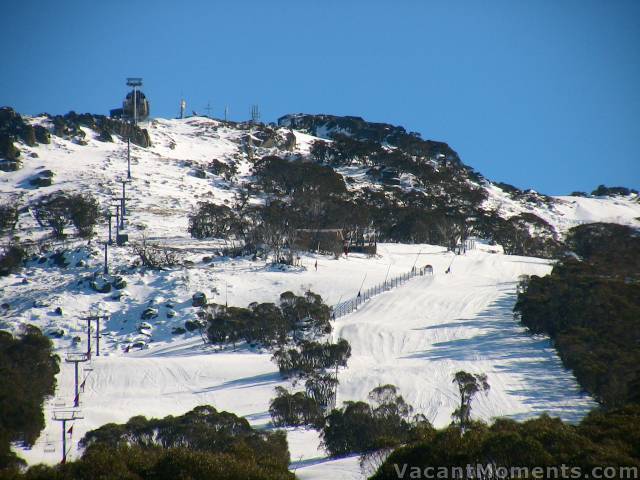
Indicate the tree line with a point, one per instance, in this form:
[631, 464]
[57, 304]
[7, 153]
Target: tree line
[28, 368]
[444, 206]
[202, 443]
[295, 318]
[590, 307]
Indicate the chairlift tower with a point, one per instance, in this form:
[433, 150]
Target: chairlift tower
[65, 416]
[76, 358]
[95, 315]
[129, 157]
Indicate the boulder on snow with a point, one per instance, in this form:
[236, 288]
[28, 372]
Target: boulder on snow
[41, 303]
[145, 328]
[55, 332]
[171, 313]
[100, 285]
[42, 179]
[199, 299]
[119, 295]
[119, 282]
[178, 331]
[149, 313]
[58, 310]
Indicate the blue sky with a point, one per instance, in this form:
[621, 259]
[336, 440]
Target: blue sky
[540, 94]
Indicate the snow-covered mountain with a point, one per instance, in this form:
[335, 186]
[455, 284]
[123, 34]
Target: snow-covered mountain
[414, 336]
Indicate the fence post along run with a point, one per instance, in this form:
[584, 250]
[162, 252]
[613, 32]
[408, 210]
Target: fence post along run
[344, 308]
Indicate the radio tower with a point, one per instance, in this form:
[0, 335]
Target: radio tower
[135, 82]
[183, 107]
[255, 114]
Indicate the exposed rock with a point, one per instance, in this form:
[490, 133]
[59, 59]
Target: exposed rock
[55, 332]
[58, 310]
[149, 313]
[119, 283]
[9, 165]
[39, 182]
[119, 295]
[171, 313]
[199, 299]
[144, 327]
[101, 285]
[178, 331]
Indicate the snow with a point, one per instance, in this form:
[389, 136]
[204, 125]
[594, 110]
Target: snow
[415, 336]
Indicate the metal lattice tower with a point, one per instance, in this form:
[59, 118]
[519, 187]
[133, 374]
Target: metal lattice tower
[255, 114]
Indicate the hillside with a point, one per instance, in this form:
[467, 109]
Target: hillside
[413, 336]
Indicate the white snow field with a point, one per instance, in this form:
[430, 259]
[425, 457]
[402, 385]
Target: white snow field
[415, 336]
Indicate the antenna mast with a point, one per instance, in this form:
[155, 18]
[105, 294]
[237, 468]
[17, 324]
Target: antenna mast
[135, 82]
[255, 114]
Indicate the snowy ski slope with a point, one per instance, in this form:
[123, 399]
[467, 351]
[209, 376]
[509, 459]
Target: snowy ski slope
[415, 336]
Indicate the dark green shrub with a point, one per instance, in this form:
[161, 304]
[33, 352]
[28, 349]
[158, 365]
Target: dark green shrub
[11, 259]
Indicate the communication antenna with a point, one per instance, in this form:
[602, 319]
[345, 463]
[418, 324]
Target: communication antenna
[208, 109]
[183, 107]
[226, 113]
[255, 114]
[65, 416]
[135, 82]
